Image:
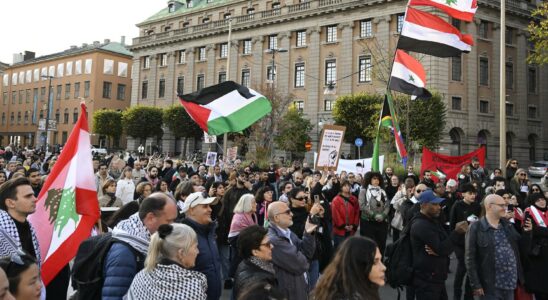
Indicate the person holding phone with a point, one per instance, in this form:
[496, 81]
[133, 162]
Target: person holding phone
[535, 275]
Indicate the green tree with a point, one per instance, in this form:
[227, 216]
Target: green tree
[538, 28]
[360, 114]
[181, 124]
[293, 132]
[142, 121]
[108, 122]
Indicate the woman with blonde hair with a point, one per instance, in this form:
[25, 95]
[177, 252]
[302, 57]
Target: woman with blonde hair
[167, 274]
[244, 216]
[519, 186]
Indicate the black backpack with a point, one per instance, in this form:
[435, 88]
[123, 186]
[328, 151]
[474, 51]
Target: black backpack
[398, 259]
[87, 270]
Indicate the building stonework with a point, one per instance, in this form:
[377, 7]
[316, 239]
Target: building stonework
[185, 44]
[98, 73]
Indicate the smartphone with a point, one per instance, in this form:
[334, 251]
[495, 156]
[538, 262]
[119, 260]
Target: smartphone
[510, 208]
[527, 216]
[316, 199]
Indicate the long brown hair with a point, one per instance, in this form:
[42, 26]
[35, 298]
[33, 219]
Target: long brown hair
[347, 276]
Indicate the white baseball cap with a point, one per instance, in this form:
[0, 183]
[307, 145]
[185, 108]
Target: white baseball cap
[196, 199]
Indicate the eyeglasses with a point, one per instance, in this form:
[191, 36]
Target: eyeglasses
[287, 212]
[501, 205]
[267, 244]
[522, 174]
[419, 191]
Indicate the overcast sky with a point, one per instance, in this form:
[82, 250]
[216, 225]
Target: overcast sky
[46, 27]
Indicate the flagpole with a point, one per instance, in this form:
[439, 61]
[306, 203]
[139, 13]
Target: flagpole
[225, 136]
[502, 88]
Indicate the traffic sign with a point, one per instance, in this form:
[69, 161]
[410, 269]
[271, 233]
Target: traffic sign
[358, 142]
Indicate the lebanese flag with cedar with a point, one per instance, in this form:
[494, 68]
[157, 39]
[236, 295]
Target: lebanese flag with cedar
[458, 9]
[67, 207]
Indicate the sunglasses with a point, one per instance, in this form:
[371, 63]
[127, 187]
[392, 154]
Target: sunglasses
[522, 174]
[300, 198]
[419, 191]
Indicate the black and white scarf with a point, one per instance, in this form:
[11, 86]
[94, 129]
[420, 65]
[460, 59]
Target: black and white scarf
[133, 232]
[9, 237]
[263, 264]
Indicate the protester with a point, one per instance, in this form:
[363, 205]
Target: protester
[345, 214]
[142, 191]
[244, 216]
[208, 262]
[511, 168]
[535, 274]
[23, 275]
[5, 292]
[108, 197]
[3, 177]
[374, 206]
[264, 197]
[519, 186]
[125, 187]
[167, 275]
[125, 257]
[492, 252]
[356, 272]
[255, 250]
[101, 177]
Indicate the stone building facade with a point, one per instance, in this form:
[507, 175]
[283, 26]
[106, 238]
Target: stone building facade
[349, 43]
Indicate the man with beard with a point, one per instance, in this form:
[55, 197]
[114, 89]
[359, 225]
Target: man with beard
[152, 176]
[167, 171]
[478, 173]
[35, 180]
[298, 179]
[263, 181]
[427, 179]
[387, 176]
[137, 172]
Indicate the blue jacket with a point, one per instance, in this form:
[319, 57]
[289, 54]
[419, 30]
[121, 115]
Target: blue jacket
[121, 265]
[208, 261]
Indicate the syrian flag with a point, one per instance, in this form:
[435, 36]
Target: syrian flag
[225, 107]
[458, 9]
[67, 207]
[408, 76]
[425, 33]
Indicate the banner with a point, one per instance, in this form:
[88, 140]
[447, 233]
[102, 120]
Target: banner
[356, 166]
[448, 165]
[331, 140]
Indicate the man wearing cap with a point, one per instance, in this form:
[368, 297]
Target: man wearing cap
[208, 262]
[431, 246]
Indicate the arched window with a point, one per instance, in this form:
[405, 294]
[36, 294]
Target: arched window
[66, 116]
[482, 139]
[509, 142]
[18, 118]
[75, 116]
[12, 118]
[26, 117]
[3, 118]
[455, 136]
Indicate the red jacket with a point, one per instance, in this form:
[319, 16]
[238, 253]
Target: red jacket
[345, 213]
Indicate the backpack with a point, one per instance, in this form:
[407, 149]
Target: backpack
[399, 260]
[87, 270]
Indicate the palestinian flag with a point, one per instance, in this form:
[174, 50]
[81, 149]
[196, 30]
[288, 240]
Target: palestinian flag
[458, 9]
[439, 174]
[67, 207]
[408, 76]
[425, 33]
[225, 107]
[389, 120]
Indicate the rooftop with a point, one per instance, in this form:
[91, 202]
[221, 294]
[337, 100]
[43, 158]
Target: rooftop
[181, 8]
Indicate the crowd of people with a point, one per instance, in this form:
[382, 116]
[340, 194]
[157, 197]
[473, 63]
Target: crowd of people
[184, 230]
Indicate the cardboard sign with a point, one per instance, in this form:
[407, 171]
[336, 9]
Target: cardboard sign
[232, 153]
[211, 159]
[331, 141]
[209, 139]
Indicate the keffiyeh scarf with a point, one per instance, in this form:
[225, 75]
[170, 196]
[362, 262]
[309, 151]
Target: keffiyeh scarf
[133, 232]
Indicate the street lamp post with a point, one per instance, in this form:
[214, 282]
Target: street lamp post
[46, 141]
[273, 52]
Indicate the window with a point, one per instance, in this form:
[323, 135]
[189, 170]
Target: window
[171, 7]
[246, 77]
[484, 106]
[456, 103]
[276, 7]
[532, 112]
[13, 97]
[75, 116]
[144, 89]
[180, 85]
[107, 89]
[35, 95]
[64, 135]
[59, 91]
[484, 71]
[76, 90]
[509, 35]
[273, 42]
[365, 69]
[299, 105]
[163, 59]
[509, 75]
[250, 11]
[301, 38]
[5, 98]
[327, 105]
[205, 20]
[182, 56]
[331, 33]
[67, 91]
[201, 53]
[26, 117]
[223, 51]
[88, 65]
[21, 92]
[66, 116]
[509, 109]
[483, 29]
[27, 96]
[270, 73]
[299, 75]
[189, 3]
[43, 93]
[3, 118]
[18, 118]
[222, 77]
[330, 71]
[227, 16]
[55, 137]
[12, 118]
[532, 80]
[121, 92]
[57, 116]
[247, 47]
[366, 29]
[455, 23]
[401, 19]
[41, 114]
[108, 66]
[146, 62]
[200, 81]
[162, 88]
[456, 68]
[86, 89]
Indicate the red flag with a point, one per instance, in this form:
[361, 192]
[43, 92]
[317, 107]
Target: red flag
[449, 165]
[67, 206]
[459, 9]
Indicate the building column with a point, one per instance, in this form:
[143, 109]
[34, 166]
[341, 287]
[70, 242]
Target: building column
[283, 66]
[135, 81]
[469, 62]
[232, 72]
[210, 73]
[153, 79]
[313, 105]
[344, 86]
[520, 84]
[494, 80]
[257, 77]
[171, 89]
[189, 76]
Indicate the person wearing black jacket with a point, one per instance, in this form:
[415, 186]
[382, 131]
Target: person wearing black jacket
[431, 246]
[469, 210]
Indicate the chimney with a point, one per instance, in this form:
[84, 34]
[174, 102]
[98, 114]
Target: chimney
[72, 47]
[123, 40]
[95, 43]
[29, 55]
[17, 57]
[107, 41]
